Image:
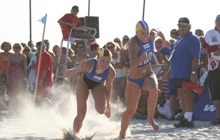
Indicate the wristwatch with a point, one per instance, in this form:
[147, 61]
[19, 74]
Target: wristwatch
[193, 72]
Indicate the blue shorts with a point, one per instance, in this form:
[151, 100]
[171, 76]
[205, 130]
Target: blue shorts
[140, 81]
[174, 84]
[172, 89]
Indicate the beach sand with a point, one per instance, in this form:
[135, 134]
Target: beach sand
[37, 123]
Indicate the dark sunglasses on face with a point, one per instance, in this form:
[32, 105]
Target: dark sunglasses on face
[174, 33]
[109, 47]
[26, 50]
[125, 39]
[117, 41]
[80, 46]
[198, 33]
[17, 47]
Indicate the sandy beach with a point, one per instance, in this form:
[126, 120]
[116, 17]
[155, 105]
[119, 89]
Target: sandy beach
[37, 123]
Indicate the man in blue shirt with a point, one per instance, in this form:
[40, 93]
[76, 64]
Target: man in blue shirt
[184, 62]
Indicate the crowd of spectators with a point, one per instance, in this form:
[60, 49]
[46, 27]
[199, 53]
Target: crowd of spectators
[174, 60]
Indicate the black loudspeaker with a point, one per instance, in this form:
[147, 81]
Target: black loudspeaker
[82, 19]
[92, 22]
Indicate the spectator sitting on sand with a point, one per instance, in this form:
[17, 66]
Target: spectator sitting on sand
[163, 108]
[141, 111]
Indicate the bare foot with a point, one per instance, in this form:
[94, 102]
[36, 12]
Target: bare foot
[154, 125]
[121, 136]
[107, 113]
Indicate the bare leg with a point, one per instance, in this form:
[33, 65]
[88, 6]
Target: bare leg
[151, 86]
[188, 99]
[217, 108]
[82, 94]
[123, 83]
[173, 104]
[151, 105]
[180, 95]
[99, 96]
[132, 97]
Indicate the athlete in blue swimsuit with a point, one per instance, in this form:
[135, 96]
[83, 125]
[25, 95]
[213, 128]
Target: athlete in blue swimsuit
[98, 76]
[140, 77]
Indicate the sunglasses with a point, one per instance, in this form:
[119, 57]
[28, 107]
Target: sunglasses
[80, 46]
[198, 33]
[17, 47]
[174, 33]
[26, 50]
[117, 41]
[125, 39]
[109, 47]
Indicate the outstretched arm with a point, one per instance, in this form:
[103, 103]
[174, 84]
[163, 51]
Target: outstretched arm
[109, 81]
[71, 72]
[108, 87]
[165, 42]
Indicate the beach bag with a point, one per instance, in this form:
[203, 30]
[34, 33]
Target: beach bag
[81, 33]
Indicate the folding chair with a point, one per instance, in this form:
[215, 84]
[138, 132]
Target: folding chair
[67, 36]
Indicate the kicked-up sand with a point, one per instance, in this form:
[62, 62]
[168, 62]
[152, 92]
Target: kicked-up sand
[47, 123]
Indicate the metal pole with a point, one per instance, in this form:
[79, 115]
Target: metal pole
[143, 10]
[40, 59]
[30, 21]
[88, 7]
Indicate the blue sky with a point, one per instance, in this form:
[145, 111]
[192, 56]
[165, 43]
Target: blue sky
[116, 17]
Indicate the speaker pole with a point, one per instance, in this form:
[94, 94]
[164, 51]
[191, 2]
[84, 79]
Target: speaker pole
[143, 10]
[88, 7]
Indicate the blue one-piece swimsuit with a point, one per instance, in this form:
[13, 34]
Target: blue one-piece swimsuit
[92, 79]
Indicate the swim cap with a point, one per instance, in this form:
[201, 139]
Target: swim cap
[105, 52]
[141, 25]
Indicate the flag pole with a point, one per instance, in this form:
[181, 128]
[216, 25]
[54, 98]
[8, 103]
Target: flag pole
[40, 58]
[30, 21]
